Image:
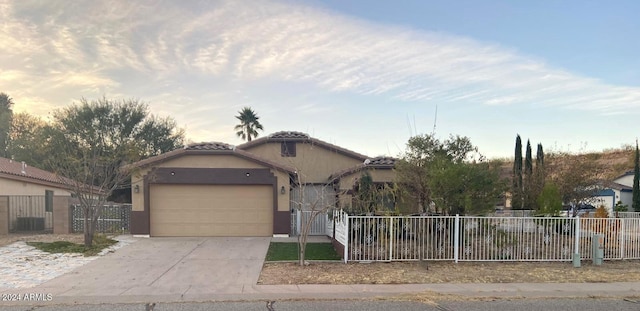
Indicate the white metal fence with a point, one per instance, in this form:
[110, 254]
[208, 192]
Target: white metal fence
[627, 214]
[466, 238]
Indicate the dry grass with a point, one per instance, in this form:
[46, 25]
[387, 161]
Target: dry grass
[448, 272]
[11, 238]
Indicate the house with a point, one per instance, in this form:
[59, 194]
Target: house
[32, 199]
[216, 189]
[619, 190]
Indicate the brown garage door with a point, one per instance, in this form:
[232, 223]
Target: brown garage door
[211, 210]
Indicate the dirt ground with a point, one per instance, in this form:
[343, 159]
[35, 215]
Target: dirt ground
[449, 272]
[11, 238]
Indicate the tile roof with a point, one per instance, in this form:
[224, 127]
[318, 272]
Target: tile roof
[375, 163]
[209, 146]
[381, 161]
[289, 135]
[17, 170]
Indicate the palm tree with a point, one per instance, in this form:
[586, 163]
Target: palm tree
[249, 124]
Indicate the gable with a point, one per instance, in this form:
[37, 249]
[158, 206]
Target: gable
[313, 163]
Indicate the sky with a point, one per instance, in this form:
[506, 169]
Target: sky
[365, 75]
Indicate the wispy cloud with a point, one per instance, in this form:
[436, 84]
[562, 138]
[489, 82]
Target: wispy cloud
[91, 48]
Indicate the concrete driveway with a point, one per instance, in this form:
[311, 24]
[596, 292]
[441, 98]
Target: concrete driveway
[168, 266]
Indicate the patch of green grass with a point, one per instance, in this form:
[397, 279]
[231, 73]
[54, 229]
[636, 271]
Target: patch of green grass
[100, 242]
[280, 251]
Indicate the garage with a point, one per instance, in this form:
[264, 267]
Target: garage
[211, 210]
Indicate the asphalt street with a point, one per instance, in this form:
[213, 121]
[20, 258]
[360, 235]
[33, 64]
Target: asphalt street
[348, 305]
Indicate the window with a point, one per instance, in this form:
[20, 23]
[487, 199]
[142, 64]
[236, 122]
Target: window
[288, 149]
[48, 201]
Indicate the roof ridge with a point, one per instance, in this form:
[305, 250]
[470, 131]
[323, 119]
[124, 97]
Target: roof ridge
[303, 137]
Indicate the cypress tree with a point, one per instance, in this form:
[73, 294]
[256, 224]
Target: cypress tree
[516, 189]
[539, 157]
[539, 176]
[636, 181]
[527, 187]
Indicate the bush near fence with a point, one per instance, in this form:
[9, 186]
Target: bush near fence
[469, 238]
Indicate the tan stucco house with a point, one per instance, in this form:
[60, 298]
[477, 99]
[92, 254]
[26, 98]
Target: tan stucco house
[30, 193]
[216, 189]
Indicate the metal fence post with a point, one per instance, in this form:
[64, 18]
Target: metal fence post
[346, 242]
[621, 236]
[456, 236]
[576, 254]
[391, 238]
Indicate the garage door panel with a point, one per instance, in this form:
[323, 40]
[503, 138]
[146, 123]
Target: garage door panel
[211, 210]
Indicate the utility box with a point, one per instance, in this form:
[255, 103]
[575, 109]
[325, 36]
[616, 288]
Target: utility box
[597, 244]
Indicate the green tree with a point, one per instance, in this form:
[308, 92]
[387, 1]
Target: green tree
[28, 140]
[451, 174]
[549, 200]
[91, 142]
[517, 199]
[636, 181]
[6, 114]
[249, 124]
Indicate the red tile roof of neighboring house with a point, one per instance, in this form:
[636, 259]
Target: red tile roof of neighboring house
[207, 148]
[292, 136]
[374, 163]
[21, 171]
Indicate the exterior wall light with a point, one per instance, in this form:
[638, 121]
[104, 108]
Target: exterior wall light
[136, 189]
[282, 190]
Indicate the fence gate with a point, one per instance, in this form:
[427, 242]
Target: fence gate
[113, 219]
[31, 213]
[301, 218]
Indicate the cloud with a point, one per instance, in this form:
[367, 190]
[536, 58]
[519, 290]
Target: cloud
[93, 48]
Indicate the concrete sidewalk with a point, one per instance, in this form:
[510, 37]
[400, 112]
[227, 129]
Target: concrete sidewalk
[167, 293]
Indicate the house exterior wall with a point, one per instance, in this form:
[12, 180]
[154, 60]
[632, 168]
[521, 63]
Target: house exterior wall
[347, 182]
[606, 198]
[627, 199]
[207, 161]
[377, 175]
[4, 215]
[625, 180]
[16, 187]
[314, 163]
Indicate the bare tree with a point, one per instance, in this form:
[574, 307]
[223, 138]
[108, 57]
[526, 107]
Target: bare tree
[311, 200]
[577, 176]
[309, 197]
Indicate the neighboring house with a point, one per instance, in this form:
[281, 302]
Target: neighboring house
[18, 178]
[619, 190]
[215, 189]
[31, 199]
